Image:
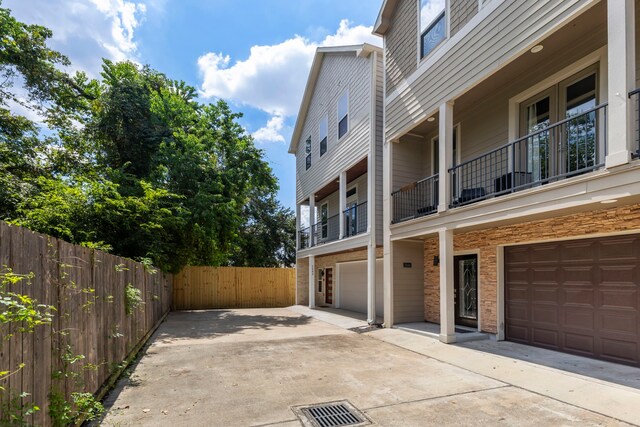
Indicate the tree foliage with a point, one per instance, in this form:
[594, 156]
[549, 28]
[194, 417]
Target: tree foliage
[132, 162]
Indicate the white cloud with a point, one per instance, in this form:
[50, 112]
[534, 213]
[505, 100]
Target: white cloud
[273, 77]
[272, 131]
[86, 31]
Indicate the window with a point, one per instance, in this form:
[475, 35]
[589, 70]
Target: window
[308, 152]
[432, 25]
[324, 218]
[343, 114]
[570, 148]
[324, 130]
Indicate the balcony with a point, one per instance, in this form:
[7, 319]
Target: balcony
[327, 230]
[417, 199]
[553, 152]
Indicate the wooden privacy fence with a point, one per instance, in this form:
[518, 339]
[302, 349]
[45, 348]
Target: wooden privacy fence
[199, 288]
[94, 328]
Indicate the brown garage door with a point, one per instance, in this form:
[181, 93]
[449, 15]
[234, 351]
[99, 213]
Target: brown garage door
[580, 296]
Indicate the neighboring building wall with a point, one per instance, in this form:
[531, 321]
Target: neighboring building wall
[401, 44]
[338, 72]
[621, 219]
[464, 59]
[302, 281]
[461, 12]
[408, 282]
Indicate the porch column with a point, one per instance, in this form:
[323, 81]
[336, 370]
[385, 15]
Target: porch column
[621, 80]
[445, 148]
[312, 281]
[343, 201]
[447, 318]
[312, 218]
[298, 222]
[387, 175]
[371, 284]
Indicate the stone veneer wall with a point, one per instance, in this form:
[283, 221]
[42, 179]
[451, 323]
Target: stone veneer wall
[625, 218]
[302, 281]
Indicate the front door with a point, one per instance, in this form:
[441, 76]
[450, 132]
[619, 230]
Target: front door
[466, 289]
[328, 277]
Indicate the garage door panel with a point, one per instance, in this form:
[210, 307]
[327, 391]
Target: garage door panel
[618, 273]
[544, 254]
[545, 295]
[577, 251]
[579, 319]
[626, 323]
[618, 297]
[581, 297]
[618, 249]
[544, 276]
[545, 337]
[353, 286]
[544, 314]
[579, 275]
[623, 351]
[579, 343]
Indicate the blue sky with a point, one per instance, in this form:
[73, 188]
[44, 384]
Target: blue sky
[255, 54]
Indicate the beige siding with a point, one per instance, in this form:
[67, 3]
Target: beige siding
[410, 161]
[472, 58]
[338, 72]
[461, 12]
[401, 43]
[408, 283]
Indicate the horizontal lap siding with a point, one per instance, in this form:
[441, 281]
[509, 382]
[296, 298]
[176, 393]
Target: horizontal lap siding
[338, 72]
[474, 58]
[408, 283]
[401, 44]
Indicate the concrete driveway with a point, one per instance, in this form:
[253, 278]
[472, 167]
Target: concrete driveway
[250, 367]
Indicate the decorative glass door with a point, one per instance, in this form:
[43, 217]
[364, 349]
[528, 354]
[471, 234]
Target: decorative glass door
[466, 290]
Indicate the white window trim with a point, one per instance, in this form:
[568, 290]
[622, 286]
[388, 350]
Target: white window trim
[345, 91]
[320, 219]
[598, 56]
[447, 30]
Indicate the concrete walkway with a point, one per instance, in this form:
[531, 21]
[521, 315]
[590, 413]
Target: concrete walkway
[250, 367]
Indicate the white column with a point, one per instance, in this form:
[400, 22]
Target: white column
[312, 218]
[387, 175]
[371, 284]
[447, 318]
[445, 148]
[621, 75]
[343, 201]
[312, 281]
[298, 222]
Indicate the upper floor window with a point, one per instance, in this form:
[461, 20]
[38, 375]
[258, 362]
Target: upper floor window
[343, 114]
[307, 150]
[324, 130]
[433, 27]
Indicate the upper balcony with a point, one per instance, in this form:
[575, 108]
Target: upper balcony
[333, 217]
[539, 121]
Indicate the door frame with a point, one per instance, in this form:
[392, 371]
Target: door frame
[475, 252]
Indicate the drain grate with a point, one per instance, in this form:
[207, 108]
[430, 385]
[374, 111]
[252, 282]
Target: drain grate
[331, 414]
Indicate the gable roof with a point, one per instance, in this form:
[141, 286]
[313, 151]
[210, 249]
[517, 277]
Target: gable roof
[362, 50]
[384, 17]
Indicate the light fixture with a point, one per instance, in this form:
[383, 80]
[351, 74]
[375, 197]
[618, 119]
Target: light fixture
[430, 119]
[436, 260]
[606, 202]
[537, 48]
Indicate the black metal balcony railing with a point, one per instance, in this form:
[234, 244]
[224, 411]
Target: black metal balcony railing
[570, 147]
[326, 230]
[415, 200]
[635, 95]
[304, 236]
[355, 220]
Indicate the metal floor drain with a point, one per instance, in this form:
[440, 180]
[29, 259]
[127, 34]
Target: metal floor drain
[331, 414]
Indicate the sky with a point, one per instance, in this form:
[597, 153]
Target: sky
[255, 54]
